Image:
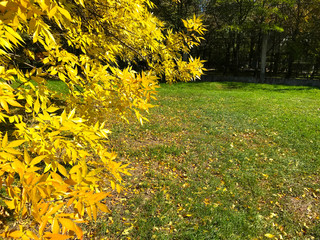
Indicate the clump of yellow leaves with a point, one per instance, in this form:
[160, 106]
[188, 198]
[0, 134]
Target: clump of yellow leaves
[54, 164]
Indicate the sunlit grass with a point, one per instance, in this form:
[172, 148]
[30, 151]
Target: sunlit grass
[53, 85]
[221, 161]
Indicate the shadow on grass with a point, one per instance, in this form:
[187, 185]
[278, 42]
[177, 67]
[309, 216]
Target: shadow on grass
[265, 87]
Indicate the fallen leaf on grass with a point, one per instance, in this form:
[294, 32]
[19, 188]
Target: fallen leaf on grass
[268, 235]
[127, 231]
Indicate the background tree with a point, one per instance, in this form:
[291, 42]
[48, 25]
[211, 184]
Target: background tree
[254, 37]
[171, 12]
[311, 37]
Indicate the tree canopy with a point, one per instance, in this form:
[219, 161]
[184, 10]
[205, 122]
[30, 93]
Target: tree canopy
[54, 162]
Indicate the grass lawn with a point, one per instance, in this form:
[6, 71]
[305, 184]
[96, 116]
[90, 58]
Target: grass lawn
[221, 161]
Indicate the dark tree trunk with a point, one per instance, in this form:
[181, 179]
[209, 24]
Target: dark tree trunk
[257, 57]
[315, 68]
[251, 53]
[291, 54]
[227, 56]
[276, 57]
[263, 57]
[290, 64]
[233, 60]
[237, 49]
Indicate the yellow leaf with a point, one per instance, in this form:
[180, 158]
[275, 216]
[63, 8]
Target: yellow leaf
[89, 212]
[2, 69]
[65, 13]
[52, 109]
[82, 3]
[99, 196]
[28, 52]
[52, 12]
[42, 226]
[4, 3]
[71, 114]
[268, 235]
[17, 165]
[119, 188]
[38, 79]
[31, 235]
[78, 231]
[70, 202]
[62, 170]
[10, 179]
[79, 176]
[45, 116]
[14, 34]
[79, 206]
[55, 209]
[56, 236]
[29, 100]
[35, 35]
[16, 234]
[113, 185]
[94, 211]
[127, 231]
[103, 207]
[5, 141]
[44, 208]
[63, 116]
[10, 204]
[13, 103]
[47, 168]
[70, 181]
[38, 159]
[37, 106]
[67, 223]
[56, 177]
[26, 157]
[15, 143]
[7, 156]
[4, 105]
[54, 133]
[12, 151]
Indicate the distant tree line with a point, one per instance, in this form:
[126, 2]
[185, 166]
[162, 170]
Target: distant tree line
[278, 38]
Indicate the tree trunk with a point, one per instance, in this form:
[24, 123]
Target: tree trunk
[227, 56]
[257, 57]
[295, 33]
[235, 53]
[251, 53]
[290, 64]
[263, 57]
[276, 56]
[315, 68]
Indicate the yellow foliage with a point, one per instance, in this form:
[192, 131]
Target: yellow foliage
[55, 166]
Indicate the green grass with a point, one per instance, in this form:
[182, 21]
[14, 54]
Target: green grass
[58, 86]
[221, 161]
[53, 85]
